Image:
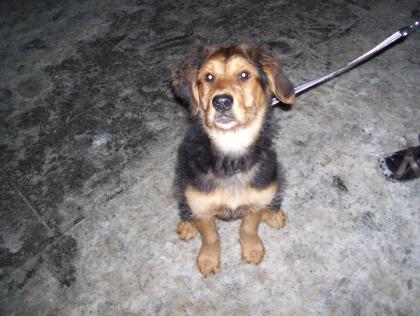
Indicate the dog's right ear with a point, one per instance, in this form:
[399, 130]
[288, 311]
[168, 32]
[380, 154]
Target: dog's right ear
[185, 81]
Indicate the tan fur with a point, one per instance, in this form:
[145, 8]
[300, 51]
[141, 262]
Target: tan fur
[249, 97]
[252, 248]
[276, 219]
[249, 102]
[208, 260]
[210, 204]
[186, 230]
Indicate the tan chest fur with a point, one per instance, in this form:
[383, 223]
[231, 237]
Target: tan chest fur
[229, 194]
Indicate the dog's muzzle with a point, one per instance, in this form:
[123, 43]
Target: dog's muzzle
[223, 104]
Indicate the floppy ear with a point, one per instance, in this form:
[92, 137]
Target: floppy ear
[184, 78]
[185, 85]
[281, 87]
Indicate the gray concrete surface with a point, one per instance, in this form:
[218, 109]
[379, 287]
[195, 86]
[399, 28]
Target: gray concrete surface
[89, 132]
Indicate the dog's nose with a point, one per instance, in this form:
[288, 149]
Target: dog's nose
[222, 102]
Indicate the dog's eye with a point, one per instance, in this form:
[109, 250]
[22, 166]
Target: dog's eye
[209, 78]
[244, 75]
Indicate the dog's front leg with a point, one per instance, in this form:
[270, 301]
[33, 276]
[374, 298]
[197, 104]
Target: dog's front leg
[252, 247]
[208, 259]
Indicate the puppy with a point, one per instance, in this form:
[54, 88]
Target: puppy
[226, 167]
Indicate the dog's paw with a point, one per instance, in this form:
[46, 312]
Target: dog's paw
[275, 220]
[186, 230]
[252, 249]
[208, 260]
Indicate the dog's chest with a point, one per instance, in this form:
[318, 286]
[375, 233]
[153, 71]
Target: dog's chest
[230, 193]
[236, 183]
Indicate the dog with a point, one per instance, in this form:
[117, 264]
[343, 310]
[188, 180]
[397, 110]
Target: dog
[226, 167]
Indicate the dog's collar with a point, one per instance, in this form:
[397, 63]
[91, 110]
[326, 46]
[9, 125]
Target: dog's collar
[230, 166]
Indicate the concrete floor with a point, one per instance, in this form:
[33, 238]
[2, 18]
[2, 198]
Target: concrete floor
[89, 132]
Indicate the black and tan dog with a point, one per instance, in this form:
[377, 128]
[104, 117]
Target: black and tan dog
[226, 167]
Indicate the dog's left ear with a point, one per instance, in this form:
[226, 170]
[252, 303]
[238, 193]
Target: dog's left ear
[281, 87]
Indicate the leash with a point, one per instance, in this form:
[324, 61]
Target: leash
[400, 34]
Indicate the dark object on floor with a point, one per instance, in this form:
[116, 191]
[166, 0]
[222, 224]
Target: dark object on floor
[402, 165]
[339, 183]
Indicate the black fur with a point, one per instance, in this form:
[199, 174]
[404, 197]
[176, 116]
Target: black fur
[197, 156]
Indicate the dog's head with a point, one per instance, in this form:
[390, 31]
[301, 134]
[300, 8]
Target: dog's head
[230, 88]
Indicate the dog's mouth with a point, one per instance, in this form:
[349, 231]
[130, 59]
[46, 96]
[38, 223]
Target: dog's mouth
[224, 120]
